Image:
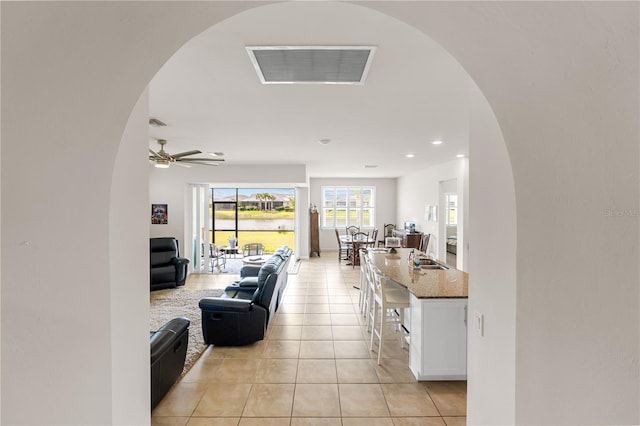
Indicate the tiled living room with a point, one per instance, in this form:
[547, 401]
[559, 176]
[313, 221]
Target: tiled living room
[313, 368]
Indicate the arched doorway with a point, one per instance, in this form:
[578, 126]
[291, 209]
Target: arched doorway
[561, 78]
[487, 138]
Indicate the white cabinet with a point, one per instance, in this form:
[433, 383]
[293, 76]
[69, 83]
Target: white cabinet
[438, 348]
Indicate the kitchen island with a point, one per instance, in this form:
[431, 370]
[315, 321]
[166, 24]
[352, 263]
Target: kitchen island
[437, 322]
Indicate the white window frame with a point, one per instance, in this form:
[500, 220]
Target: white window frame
[332, 205]
[452, 206]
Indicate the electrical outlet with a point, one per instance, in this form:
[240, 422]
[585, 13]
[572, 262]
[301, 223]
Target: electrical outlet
[478, 322]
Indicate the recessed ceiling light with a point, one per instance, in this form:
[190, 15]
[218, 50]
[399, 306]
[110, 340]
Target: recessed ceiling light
[216, 154]
[324, 141]
[410, 155]
[460, 155]
[436, 142]
[370, 166]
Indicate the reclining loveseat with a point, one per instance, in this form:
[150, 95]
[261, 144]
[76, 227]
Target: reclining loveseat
[240, 316]
[167, 269]
[168, 353]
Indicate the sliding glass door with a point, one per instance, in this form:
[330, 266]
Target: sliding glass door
[225, 215]
[254, 215]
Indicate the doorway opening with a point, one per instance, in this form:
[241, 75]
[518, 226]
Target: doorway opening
[448, 229]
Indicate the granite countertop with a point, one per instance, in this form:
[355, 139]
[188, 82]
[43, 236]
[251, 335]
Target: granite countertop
[422, 283]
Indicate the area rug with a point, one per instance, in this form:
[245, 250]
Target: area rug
[231, 267]
[180, 302]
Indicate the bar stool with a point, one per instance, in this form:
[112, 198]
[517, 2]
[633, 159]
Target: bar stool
[389, 299]
[363, 280]
[366, 287]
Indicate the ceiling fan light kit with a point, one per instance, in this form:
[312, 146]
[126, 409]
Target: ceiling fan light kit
[163, 159]
[162, 163]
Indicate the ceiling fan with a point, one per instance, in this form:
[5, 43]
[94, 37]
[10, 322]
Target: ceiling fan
[163, 159]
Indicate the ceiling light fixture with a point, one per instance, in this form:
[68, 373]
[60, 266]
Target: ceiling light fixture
[324, 141]
[162, 163]
[370, 166]
[460, 155]
[436, 142]
[410, 155]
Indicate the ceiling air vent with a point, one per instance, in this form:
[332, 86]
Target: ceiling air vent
[311, 64]
[156, 123]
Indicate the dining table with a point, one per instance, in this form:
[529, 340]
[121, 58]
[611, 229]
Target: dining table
[356, 244]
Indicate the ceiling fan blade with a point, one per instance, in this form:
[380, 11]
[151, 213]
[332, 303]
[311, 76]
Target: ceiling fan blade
[188, 163]
[155, 154]
[184, 154]
[201, 159]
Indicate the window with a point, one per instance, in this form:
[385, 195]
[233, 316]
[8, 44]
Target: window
[345, 206]
[452, 209]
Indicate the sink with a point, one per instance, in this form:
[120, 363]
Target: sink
[426, 261]
[433, 266]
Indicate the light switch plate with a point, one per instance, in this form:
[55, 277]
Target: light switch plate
[478, 322]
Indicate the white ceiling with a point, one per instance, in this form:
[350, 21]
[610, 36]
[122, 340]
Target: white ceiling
[210, 96]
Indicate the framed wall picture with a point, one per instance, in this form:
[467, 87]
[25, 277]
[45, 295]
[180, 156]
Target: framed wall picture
[431, 213]
[159, 214]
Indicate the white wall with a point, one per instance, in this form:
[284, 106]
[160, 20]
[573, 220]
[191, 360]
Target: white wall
[130, 373]
[492, 290]
[561, 78]
[169, 186]
[385, 204]
[71, 77]
[418, 190]
[0, 215]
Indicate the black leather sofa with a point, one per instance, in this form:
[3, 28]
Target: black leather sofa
[240, 316]
[168, 353]
[167, 268]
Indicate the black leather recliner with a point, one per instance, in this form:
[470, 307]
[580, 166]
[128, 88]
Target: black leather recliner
[241, 315]
[168, 353]
[167, 268]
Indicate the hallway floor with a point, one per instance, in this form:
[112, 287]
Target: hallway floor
[313, 368]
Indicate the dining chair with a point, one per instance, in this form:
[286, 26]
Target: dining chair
[216, 256]
[352, 229]
[374, 235]
[389, 302]
[342, 248]
[388, 232]
[252, 249]
[358, 240]
[424, 243]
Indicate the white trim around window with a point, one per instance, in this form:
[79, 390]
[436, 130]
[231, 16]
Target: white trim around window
[344, 206]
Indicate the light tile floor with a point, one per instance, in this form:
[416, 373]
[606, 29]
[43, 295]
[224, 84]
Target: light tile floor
[313, 368]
